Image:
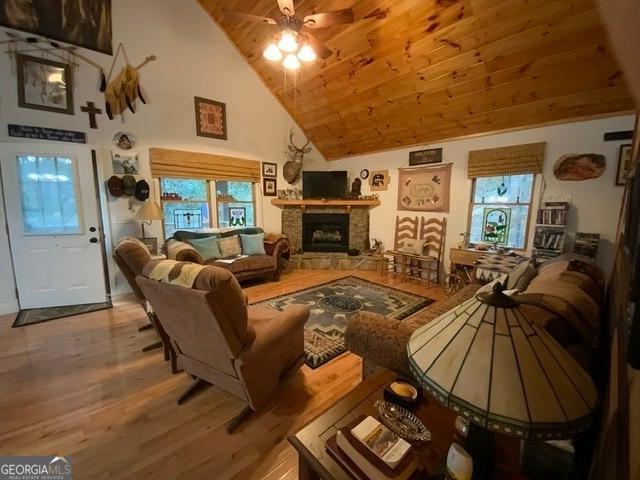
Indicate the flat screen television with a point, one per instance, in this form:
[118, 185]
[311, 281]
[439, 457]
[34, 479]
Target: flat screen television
[324, 184]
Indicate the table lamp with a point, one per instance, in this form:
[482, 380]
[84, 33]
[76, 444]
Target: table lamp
[149, 211]
[492, 365]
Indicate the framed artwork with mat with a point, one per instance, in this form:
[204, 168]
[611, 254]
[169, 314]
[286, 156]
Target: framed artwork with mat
[211, 118]
[44, 84]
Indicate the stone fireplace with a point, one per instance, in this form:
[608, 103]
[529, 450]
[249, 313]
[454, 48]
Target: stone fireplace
[351, 223]
[325, 232]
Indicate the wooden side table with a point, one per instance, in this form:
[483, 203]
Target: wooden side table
[315, 463]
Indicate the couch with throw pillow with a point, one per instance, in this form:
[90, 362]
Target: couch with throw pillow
[567, 292]
[247, 253]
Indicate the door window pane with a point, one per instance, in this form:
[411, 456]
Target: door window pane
[48, 195]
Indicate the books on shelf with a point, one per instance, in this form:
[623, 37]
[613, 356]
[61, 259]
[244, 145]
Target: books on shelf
[375, 453]
[553, 213]
[587, 244]
[548, 239]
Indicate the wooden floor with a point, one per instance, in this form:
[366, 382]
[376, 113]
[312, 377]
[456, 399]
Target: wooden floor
[81, 387]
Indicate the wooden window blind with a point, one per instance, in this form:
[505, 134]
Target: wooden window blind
[183, 164]
[513, 160]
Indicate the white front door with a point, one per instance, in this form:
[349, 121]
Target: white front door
[54, 229]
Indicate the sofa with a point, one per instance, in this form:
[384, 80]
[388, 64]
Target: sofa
[566, 292]
[263, 265]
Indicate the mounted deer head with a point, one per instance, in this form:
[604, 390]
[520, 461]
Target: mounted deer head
[292, 168]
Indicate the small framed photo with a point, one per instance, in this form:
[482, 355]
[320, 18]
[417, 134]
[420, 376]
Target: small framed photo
[269, 169]
[44, 85]
[237, 216]
[151, 243]
[425, 157]
[624, 163]
[379, 180]
[125, 163]
[270, 187]
[211, 118]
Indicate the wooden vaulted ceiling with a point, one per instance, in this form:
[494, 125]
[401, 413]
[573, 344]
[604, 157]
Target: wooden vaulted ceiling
[411, 72]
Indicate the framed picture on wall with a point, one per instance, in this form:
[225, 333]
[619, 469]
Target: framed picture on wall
[624, 163]
[269, 169]
[269, 187]
[211, 118]
[44, 85]
[151, 243]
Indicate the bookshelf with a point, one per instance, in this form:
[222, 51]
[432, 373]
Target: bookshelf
[550, 230]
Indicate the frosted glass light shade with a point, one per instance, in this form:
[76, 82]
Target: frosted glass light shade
[494, 366]
[272, 52]
[288, 42]
[291, 62]
[306, 53]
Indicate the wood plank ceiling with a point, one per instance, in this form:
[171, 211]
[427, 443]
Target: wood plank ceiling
[418, 71]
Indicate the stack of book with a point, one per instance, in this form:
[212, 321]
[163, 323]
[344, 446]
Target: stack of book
[553, 213]
[366, 449]
[548, 239]
[587, 244]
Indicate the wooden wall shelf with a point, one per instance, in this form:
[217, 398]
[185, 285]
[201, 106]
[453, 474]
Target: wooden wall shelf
[347, 203]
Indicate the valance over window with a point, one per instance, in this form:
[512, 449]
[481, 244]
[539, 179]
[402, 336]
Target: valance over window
[183, 164]
[513, 160]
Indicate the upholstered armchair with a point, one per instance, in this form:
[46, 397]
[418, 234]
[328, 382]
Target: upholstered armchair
[241, 349]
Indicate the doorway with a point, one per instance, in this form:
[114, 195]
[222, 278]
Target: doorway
[53, 221]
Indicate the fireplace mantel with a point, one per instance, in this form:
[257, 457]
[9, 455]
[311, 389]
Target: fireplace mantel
[347, 203]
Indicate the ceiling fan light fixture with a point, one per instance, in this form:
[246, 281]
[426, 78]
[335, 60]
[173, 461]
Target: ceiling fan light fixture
[272, 52]
[288, 42]
[306, 53]
[291, 62]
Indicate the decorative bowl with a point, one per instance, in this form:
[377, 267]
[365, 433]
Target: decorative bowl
[402, 422]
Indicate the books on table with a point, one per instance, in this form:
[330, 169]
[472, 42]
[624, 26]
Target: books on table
[385, 444]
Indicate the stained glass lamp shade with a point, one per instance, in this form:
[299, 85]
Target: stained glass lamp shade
[490, 363]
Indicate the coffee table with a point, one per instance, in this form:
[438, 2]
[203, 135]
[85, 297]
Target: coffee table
[315, 462]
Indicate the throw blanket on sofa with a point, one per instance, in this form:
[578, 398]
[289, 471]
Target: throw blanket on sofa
[176, 273]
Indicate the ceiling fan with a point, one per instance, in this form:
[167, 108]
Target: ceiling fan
[292, 43]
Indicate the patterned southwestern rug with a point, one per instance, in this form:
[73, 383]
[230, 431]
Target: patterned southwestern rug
[333, 303]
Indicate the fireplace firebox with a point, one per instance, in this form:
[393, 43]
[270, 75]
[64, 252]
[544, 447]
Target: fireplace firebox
[325, 232]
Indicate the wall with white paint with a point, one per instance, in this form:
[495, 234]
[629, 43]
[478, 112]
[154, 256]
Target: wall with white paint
[595, 203]
[194, 59]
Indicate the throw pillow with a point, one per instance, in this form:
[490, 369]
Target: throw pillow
[413, 246]
[253, 244]
[230, 246]
[520, 276]
[207, 247]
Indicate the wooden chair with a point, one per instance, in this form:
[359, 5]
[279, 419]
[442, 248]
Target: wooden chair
[423, 267]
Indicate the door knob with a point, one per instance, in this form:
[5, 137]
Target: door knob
[93, 240]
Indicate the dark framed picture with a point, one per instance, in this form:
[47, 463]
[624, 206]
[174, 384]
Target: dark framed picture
[269, 169]
[151, 243]
[425, 157]
[270, 187]
[237, 216]
[211, 118]
[78, 22]
[624, 163]
[44, 85]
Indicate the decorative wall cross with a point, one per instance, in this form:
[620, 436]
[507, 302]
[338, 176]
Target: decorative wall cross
[92, 111]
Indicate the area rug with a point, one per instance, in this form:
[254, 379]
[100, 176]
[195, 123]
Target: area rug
[39, 315]
[333, 304]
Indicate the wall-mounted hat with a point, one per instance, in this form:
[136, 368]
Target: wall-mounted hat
[114, 185]
[142, 190]
[129, 184]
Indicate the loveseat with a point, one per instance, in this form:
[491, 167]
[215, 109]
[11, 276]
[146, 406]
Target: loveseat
[569, 288]
[268, 264]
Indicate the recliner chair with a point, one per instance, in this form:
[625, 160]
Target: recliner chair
[218, 339]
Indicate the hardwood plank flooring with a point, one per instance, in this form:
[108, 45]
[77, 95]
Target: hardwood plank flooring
[81, 387]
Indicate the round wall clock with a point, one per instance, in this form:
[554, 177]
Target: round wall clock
[364, 174]
[124, 140]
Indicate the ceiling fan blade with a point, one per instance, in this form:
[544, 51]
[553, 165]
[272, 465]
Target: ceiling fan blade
[286, 7]
[320, 48]
[249, 17]
[329, 19]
